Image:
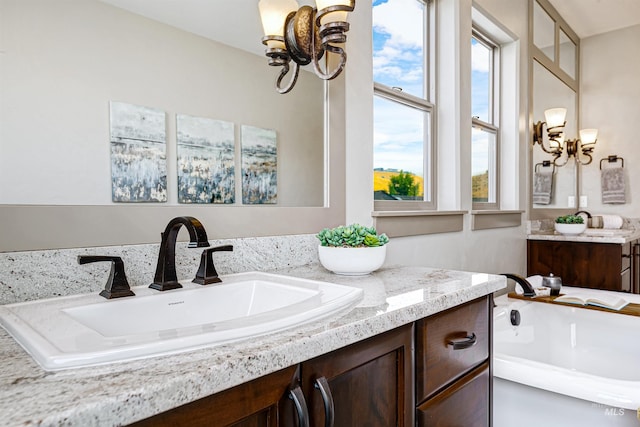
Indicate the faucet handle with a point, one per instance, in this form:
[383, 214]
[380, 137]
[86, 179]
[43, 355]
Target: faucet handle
[117, 285]
[207, 273]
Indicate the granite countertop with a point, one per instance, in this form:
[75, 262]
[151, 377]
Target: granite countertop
[620, 236]
[125, 392]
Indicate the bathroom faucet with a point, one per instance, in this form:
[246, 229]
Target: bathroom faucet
[165, 277]
[526, 286]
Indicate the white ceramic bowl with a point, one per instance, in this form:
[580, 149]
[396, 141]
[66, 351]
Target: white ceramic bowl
[352, 261]
[570, 229]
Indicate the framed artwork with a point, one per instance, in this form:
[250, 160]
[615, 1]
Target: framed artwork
[206, 160]
[259, 166]
[138, 153]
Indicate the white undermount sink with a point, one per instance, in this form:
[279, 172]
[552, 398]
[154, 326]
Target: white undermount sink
[606, 232]
[86, 330]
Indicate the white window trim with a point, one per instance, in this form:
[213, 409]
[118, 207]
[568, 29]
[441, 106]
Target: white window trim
[408, 207]
[492, 126]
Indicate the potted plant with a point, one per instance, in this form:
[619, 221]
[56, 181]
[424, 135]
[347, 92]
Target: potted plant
[570, 224]
[352, 250]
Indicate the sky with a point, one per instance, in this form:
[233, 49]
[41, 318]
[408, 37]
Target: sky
[398, 59]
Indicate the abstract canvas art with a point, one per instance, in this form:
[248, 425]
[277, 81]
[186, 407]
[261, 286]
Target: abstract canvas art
[206, 160]
[259, 166]
[138, 153]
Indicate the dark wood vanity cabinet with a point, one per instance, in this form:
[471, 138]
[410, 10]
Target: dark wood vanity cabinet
[453, 376]
[378, 382]
[606, 266]
[371, 382]
[262, 402]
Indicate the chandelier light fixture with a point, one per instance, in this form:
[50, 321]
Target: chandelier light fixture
[555, 123]
[303, 34]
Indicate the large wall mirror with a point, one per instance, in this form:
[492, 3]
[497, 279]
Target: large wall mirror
[554, 59]
[62, 63]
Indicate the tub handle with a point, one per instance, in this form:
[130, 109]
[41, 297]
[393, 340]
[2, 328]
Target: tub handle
[463, 343]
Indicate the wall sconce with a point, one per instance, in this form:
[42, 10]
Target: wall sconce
[303, 35]
[555, 122]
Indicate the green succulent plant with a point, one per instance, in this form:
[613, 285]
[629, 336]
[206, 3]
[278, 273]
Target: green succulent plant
[354, 235]
[570, 219]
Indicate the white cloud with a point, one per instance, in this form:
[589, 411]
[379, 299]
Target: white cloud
[479, 58]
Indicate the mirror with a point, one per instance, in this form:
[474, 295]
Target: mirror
[61, 65]
[550, 92]
[65, 64]
[543, 31]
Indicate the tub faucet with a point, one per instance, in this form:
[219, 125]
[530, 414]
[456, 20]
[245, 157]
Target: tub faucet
[526, 286]
[165, 277]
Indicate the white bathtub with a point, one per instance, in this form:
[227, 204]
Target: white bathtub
[565, 366]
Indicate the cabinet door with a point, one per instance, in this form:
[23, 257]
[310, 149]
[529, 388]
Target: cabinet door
[366, 384]
[466, 403]
[263, 402]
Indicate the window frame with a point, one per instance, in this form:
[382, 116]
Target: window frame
[424, 104]
[493, 125]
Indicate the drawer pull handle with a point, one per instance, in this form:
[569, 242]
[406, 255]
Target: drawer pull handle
[301, 406]
[461, 344]
[323, 385]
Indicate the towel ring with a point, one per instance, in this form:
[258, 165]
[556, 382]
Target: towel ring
[611, 159]
[545, 164]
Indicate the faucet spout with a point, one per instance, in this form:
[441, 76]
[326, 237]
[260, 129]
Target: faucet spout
[526, 286]
[166, 277]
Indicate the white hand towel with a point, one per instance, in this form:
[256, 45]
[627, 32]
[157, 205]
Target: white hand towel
[542, 187]
[613, 187]
[611, 221]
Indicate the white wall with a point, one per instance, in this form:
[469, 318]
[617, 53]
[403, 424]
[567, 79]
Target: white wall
[493, 251]
[610, 98]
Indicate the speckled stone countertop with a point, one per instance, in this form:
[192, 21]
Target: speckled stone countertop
[620, 236]
[124, 392]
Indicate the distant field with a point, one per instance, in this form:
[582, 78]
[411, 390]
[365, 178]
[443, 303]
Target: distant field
[381, 180]
[479, 184]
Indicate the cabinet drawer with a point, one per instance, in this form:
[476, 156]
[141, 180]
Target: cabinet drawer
[466, 403]
[438, 361]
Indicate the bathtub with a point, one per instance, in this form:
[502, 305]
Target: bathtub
[565, 366]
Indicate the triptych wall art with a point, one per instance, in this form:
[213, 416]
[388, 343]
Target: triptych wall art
[205, 156]
[138, 154]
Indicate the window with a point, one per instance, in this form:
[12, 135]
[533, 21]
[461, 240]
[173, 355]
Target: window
[484, 109]
[403, 114]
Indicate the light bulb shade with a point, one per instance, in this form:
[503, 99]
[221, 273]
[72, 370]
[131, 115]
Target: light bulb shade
[333, 16]
[555, 117]
[588, 136]
[273, 14]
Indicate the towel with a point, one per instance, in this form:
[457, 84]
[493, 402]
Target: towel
[542, 187]
[613, 189]
[611, 221]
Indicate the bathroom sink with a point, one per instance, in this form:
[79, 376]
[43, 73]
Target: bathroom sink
[606, 232]
[86, 330]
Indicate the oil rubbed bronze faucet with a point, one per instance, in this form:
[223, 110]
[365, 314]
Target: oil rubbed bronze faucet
[165, 277]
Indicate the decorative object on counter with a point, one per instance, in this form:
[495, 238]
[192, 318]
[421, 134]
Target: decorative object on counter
[138, 153]
[612, 182]
[206, 160]
[558, 144]
[352, 250]
[570, 224]
[304, 35]
[543, 183]
[554, 283]
[259, 166]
